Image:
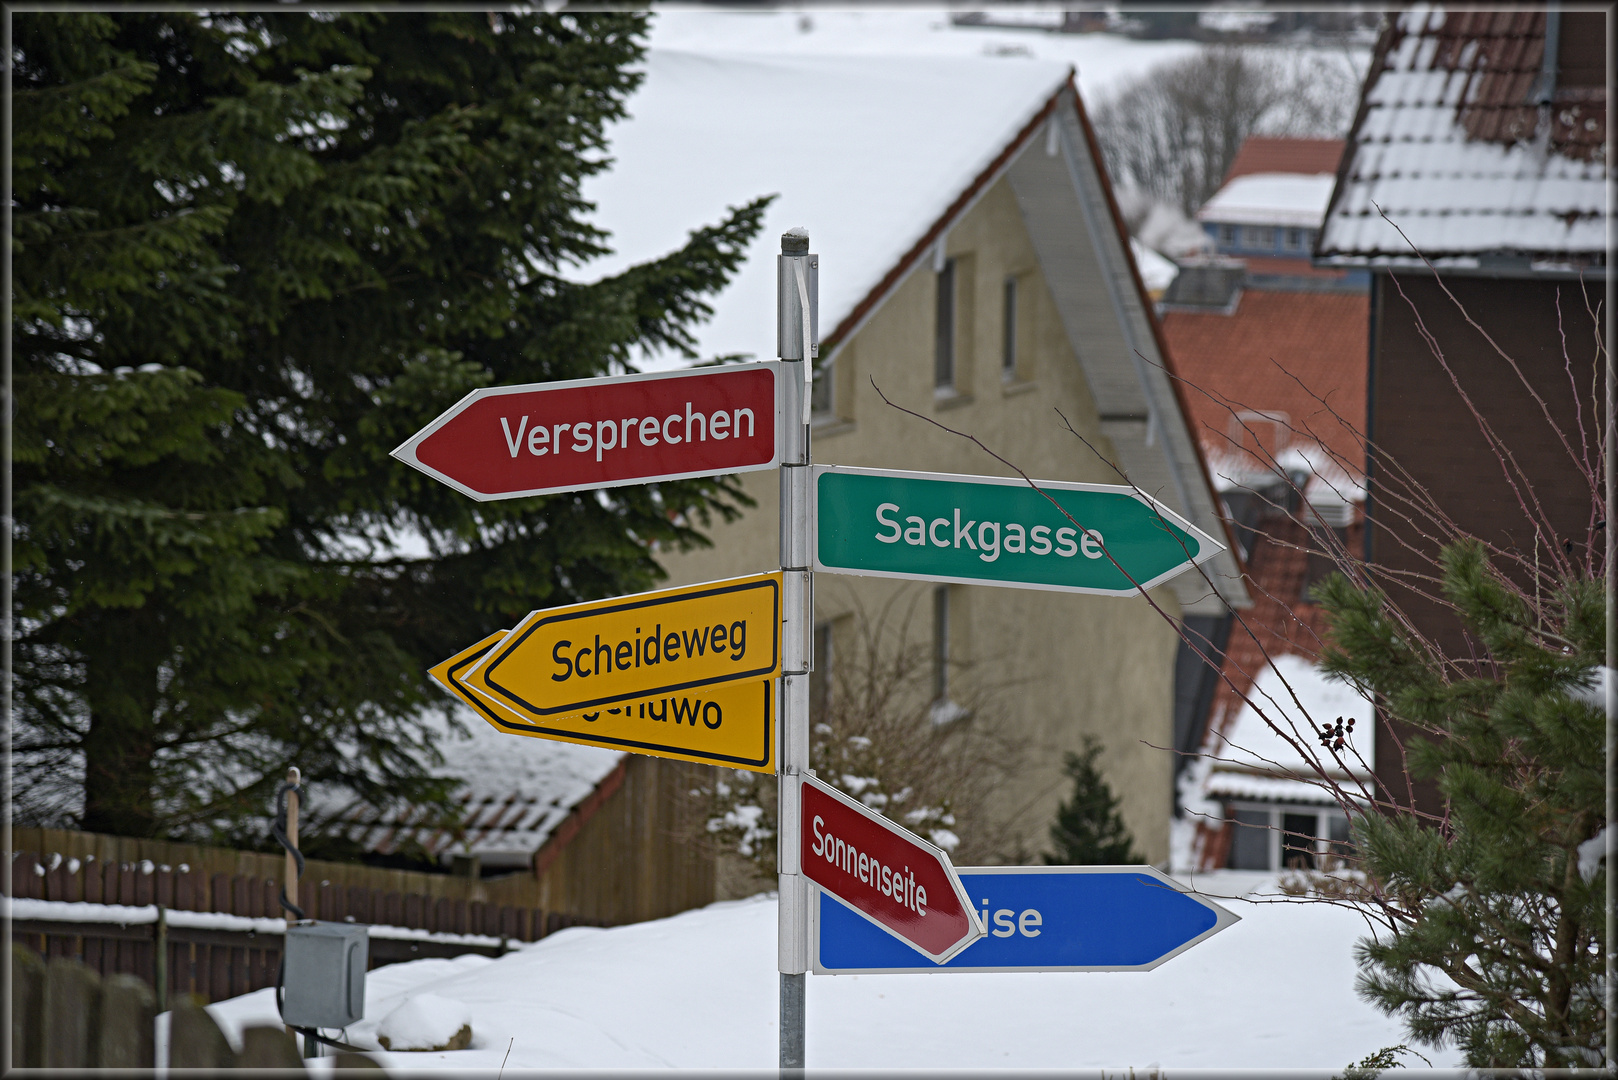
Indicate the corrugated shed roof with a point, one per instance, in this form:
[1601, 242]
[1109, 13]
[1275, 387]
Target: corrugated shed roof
[1470, 149]
[1271, 154]
[514, 792]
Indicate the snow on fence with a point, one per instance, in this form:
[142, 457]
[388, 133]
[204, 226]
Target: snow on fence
[217, 935]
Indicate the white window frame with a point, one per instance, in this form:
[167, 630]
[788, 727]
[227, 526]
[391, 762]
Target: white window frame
[1277, 814]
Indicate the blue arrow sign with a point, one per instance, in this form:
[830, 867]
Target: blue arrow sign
[1040, 918]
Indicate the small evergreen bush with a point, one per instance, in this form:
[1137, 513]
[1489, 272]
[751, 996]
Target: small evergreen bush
[1089, 830]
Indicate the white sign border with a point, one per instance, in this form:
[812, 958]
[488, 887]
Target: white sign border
[904, 834]
[1210, 548]
[406, 451]
[1223, 918]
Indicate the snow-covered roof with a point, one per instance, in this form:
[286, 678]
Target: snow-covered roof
[514, 792]
[1156, 272]
[866, 155]
[1294, 199]
[1253, 787]
[879, 158]
[1288, 683]
[1451, 143]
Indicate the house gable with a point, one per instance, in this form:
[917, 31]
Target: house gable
[1078, 243]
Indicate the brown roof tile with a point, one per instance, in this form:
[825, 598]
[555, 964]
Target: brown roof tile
[1276, 353]
[1267, 154]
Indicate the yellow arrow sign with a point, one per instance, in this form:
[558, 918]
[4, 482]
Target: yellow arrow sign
[694, 716]
[568, 660]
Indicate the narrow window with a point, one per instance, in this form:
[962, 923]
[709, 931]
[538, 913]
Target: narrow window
[1250, 840]
[1227, 236]
[820, 676]
[823, 392]
[1008, 344]
[941, 642]
[1340, 844]
[1298, 841]
[944, 340]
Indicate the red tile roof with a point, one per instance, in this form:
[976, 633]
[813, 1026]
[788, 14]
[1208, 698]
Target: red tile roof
[1277, 353]
[1279, 623]
[1264, 154]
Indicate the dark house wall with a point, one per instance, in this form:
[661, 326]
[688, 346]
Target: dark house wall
[1420, 423]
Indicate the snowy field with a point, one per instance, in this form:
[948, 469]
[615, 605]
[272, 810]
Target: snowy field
[1102, 60]
[698, 991]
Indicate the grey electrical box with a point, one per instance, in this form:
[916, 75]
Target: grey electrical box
[324, 984]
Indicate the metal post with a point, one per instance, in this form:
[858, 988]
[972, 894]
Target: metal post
[797, 342]
[293, 777]
[160, 962]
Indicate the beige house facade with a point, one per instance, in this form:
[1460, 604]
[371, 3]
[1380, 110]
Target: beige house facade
[1017, 312]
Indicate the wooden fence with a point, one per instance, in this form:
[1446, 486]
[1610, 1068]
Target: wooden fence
[518, 890]
[65, 1016]
[216, 959]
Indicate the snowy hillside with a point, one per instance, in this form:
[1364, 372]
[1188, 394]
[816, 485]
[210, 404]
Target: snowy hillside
[698, 991]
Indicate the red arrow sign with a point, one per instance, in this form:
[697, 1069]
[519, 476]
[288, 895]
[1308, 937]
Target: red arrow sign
[888, 874]
[505, 442]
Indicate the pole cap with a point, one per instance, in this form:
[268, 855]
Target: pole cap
[795, 241]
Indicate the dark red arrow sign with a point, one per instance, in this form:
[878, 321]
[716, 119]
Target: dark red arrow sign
[888, 874]
[505, 442]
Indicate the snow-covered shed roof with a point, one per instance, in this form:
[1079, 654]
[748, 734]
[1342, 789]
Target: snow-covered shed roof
[878, 157]
[1479, 141]
[1270, 199]
[514, 792]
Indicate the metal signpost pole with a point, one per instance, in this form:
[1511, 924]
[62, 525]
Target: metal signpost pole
[797, 294]
[291, 890]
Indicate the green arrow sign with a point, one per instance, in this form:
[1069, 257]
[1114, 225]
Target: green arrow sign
[987, 530]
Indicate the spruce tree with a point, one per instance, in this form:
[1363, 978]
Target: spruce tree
[253, 252]
[1496, 936]
[1089, 830]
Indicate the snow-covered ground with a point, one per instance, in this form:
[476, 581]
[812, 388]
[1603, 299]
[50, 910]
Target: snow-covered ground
[1102, 60]
[698, 991]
